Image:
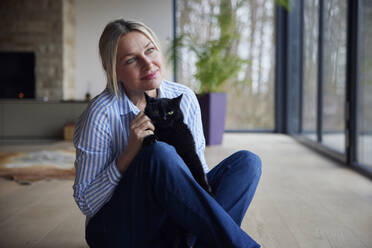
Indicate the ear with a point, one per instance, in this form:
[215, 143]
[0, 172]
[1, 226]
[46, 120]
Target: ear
[178, 99]
[148, 98]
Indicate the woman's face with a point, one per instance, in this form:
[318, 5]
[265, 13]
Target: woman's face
[138, 64]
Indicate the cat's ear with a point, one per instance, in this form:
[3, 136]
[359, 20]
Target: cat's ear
[147, 97]
[178, 99]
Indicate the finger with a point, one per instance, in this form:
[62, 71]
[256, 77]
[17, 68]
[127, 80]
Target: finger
[152, 126]
[148, 126]
[144, 121]
[145, 126]
[140, 118]
[146, 133]
[149, 132]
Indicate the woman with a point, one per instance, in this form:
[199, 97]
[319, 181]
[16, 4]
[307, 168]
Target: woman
[137, 197]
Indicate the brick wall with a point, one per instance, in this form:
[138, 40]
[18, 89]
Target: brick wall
[47, 28]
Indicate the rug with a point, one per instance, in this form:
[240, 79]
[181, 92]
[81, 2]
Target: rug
[32, 166]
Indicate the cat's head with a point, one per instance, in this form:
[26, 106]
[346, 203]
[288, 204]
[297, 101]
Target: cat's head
[164, 112]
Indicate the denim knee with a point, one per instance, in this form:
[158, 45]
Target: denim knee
[161, 148]
[250, 162]
[164, 155]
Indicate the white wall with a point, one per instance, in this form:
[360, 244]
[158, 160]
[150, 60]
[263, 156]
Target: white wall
[91, 18]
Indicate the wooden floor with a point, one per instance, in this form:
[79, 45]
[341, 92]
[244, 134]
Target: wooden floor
[303, 200]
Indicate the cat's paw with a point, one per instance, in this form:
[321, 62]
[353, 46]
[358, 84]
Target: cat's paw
[149, 140]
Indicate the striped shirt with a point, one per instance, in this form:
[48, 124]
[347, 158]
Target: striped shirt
[102, 133]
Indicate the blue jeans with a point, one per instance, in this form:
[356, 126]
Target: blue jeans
[158, 190]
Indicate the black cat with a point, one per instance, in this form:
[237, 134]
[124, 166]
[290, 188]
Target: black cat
[167, 118]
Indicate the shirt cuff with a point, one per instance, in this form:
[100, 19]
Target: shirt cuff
[114, 174]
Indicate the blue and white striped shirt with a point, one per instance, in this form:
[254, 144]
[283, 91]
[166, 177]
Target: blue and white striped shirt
[102, 133]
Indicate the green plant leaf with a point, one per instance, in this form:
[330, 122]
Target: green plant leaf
[284, 3]
[216, 62]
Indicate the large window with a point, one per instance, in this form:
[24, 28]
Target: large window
[336, 94]
[323, 95]
[324, 88]
[250, 102]
[310, 68]
[365, 84]
[334, 74]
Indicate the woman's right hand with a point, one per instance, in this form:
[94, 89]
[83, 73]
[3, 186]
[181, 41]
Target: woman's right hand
[140, 127]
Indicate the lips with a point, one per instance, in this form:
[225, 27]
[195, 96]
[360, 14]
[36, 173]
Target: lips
[150, 76]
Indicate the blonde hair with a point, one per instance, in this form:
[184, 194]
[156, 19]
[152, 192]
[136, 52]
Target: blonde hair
[108, 45]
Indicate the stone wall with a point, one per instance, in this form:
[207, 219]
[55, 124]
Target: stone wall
[45, 27]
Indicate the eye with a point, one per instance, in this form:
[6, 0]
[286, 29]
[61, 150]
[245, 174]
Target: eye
[170, 112]
[130, 61]
[150, 50]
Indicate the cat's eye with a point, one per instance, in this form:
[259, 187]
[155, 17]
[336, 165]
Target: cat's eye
[170, 112]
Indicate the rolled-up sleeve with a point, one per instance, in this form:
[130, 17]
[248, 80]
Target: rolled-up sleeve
[96, 170]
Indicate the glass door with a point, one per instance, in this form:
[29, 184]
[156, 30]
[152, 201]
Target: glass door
[364, 115]
[334, 74]
[310, 68]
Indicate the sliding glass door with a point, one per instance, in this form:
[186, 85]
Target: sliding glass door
[324, 73]
[310, 68]
[335, 97]
[334, 74]
[364, 115]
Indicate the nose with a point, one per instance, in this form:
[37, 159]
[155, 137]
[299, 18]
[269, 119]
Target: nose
[146, 63]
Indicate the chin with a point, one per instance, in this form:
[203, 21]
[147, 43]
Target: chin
[153, 84]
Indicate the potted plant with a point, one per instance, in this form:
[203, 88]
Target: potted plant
[216, 64]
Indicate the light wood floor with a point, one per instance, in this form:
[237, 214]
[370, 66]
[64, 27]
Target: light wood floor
[303, 200]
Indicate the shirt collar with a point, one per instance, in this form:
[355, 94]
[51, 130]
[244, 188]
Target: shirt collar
[125, 104]
[161, 92]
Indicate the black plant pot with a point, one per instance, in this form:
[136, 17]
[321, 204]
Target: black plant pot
[213, 112]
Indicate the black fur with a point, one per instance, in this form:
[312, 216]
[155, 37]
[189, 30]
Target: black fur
[167, 118]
